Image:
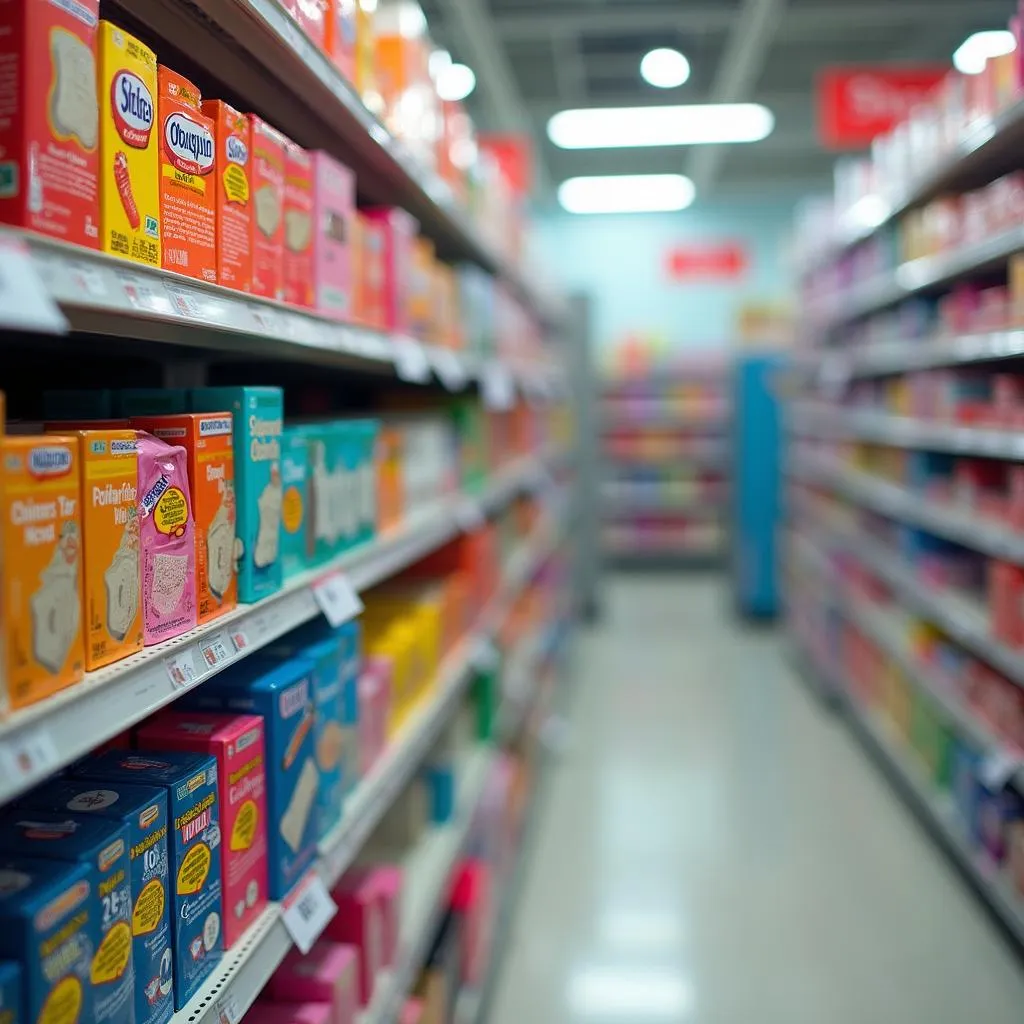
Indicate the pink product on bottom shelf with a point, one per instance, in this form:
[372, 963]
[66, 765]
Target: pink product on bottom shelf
[358, 923]
[328, 974]
[279, 1013]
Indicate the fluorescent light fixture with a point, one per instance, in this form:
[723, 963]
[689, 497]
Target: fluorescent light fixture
[975, 50]
[690, 125]
[664, 68]
[626, 193]
[455, 82]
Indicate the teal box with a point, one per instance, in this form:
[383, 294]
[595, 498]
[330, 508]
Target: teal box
[190, 781]
[78, 405]
[259, 426]
[296, 545]
[102, 845]
[330, 494]
[349, 636]
[143, 810]
[11, 1009]
[151, 402]
[282, 694]
[364, 434]
[49, 924]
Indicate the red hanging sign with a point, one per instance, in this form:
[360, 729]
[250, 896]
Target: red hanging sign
[725, 260]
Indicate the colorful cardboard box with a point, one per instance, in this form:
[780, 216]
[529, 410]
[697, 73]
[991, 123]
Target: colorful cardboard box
[296, 542]
[299, 229]
[10, 992]
[327, 974]
[236, 742]
[267, 180]
[335, 195]
[190, 781]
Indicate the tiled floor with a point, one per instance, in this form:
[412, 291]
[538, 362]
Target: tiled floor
[714, 849]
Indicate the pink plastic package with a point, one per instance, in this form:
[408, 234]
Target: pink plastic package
[334, 198]
[282, 1013]
[167, 535]
[374, 706]
[329, 974]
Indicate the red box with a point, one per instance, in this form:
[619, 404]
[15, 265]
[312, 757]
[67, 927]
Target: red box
[1005, 592]
[49, 132]
[299, 282]
[268, 164]
[397, 235]
[358, 923]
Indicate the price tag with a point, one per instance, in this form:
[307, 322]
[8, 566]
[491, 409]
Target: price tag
[307, 910]
[30, 756]
[239, 640]
[450, 369]
[411, 363]
[185, 302]
[88, 281]
[228, 1010]
[181, 669]
[266, 320]
[998, 768]
[25, 302]
[337, 598]
[216, 651]
[499, 391]
[469, 515]
[145, 296]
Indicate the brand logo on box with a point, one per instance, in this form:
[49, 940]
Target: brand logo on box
[132, 104]
[49, 461]
[237, 151]
[189, 145]
[214, 427]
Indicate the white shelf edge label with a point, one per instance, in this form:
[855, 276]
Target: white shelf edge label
[30, 756]
[307, 910]
[25, 301]
[143, 295]
[450, 369]
[239, 640]
[337, 598]
[181, 669]
[227, 1010]
[216, 650]
[411, 362]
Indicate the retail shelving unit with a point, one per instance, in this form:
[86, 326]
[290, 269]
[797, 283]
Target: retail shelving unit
[665, 488]
[905, 544]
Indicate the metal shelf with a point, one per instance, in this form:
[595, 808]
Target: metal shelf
[898, 356]
[40, 739]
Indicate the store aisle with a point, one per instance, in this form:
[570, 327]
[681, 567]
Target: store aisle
[714, 849]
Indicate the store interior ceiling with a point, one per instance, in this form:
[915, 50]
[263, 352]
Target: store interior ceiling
[533, 58]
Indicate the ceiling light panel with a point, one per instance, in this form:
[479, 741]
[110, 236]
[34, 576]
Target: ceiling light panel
[626, 193]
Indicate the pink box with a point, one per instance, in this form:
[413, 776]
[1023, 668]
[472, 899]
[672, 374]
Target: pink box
[310, 16]
[267, 182]
[471, 898]
[334, 204]
[399, 232]
[280, 1013]
[358, 923]
[299, 226]
[374, 707]
[237, 743]
[389, 879]
[329, 974]
[412, 1012]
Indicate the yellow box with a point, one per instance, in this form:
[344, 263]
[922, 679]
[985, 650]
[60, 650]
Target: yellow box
[129, 147]
[110, 545]
[42, 582]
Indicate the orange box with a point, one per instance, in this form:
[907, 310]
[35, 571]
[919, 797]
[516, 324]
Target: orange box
[49, 128]
[390, 492]
[42, 579]
[340, 35]
[365, 77]
[268, 163]
[233, 138]
[188, 191]
[207, 438]
[299, 283]
[420, 300]
[112, 585]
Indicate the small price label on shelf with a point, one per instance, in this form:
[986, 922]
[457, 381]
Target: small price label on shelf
[25, 302]
[181, 669]
[499, 391]
[411, 362]
[450, 369]
[216, 650]
[228, 1010]
[29, 756]
[88, 281]
[307, 909]
[144, 296]
[337, 598]
[239, 640]
[185, 302]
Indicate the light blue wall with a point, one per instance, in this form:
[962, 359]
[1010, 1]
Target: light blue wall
[620, 261]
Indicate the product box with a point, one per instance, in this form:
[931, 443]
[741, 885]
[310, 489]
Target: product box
[129, 162]
[49, 133]
[331, 491]
[286, 1013]
[340, 36]
[102, 845]
[188, 191]
[236, 743]
[420, 301]
[208, 442]
[364, 435]
[374, 711]
[282, 694]
[334, 193]
[299, 284]
[143, 811]
[42, 583]
[49, 923]
[349, 638]
[267, 180]
[232, 171]
[310, 16]
[397, 234]
[167, 539]
[358, 923]
[371, 278]
[191, 784]
[258, 417]
[10, 992]
[326, 974]
[131, 402]
[296, 542]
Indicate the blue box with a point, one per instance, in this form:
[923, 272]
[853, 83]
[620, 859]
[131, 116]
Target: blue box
[258, 427]
[143, 809]
[190, 781]
[40, 900]
[103, 846]
[11, 1010]
[282, 694]
[349, 636]
[296, 539]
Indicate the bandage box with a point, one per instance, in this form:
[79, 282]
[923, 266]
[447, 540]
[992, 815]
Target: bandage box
[358, 923]
[296, 543]
[129, 162]
[326, 974]
[143, 810]
[188, 188]
[334, 193]
[236, 742]
[49, 133]
[42, 583]
[49, 923]
[331, 494]
[299, 284]
[267, 179]
[11, 1011]
[191, 784]
[258, 415]
[340, 36]
[208, 442]
[282, 694]
[232, 170]
[102, 844]
[397, 235]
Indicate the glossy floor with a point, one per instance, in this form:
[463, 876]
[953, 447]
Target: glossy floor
[714, 849]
